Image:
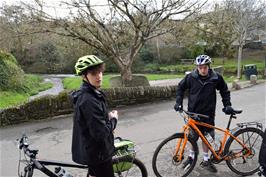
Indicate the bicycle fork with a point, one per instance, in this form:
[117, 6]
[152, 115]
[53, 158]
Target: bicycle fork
[180, 147]
[28, 171]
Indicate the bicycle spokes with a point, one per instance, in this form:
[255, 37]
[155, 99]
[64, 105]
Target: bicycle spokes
[242, 158]
[170, 156]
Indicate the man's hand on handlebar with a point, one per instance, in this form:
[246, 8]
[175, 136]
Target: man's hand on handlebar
[178, 107]
[228, 110]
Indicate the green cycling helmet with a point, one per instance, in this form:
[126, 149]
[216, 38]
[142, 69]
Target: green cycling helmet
[86, 62]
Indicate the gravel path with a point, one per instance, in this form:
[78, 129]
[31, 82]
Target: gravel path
[165, 82]
[56, 80]
[55, 90]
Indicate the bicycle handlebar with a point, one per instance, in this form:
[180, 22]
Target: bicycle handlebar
[24, 145]
[198, 117]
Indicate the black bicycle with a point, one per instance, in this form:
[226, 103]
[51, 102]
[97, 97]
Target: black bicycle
[125, 163]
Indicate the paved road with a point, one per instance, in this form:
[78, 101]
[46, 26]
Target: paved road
[146, 124]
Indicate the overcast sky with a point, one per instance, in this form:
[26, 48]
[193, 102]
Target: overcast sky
[53, 7]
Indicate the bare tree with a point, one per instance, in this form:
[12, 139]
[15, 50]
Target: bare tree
[12, 23]
[122, 30]
[217, 30]
[247, 16]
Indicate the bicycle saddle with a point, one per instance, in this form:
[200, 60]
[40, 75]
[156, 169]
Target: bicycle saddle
[239, 111]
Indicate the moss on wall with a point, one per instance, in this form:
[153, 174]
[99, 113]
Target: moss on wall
[50, 106]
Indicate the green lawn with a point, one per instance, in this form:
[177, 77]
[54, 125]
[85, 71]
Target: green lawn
[33, 85]
[163, 76]
[230, 66]
[74, 82]
[9, 98]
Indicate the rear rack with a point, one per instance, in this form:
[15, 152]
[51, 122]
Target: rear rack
[250, 124]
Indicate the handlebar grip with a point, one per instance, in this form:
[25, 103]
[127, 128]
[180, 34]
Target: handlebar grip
[27, 151]
[30, 153]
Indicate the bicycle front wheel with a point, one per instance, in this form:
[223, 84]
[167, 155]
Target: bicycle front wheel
[239, 162]
[129, 167]
[166, 163]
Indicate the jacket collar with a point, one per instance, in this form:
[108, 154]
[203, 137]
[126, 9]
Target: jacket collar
[86, 86]
[212, 75]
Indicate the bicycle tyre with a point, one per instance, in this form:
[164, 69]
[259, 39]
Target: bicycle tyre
[227, 150]
[136, 164]
[174, 137]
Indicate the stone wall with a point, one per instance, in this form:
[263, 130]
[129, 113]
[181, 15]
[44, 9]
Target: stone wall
[50, 106]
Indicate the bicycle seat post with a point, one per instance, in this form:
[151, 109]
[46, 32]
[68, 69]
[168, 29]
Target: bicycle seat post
[230, 120]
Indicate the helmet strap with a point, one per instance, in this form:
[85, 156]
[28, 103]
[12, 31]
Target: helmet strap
[85, 78]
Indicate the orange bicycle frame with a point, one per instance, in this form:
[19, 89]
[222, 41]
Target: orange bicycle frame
[194, 125]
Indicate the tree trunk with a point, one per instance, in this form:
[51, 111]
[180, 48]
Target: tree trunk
[158, 50]
[126, 75]
[239, 58]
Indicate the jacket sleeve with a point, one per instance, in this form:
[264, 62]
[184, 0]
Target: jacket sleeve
[96, 122]
[224, 92]
[181, 88]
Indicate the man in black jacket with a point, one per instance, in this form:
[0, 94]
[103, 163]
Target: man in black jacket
[93, 140]
[202, 84]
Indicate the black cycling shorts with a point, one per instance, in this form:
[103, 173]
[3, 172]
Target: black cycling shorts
[104, 169]
[203, 130]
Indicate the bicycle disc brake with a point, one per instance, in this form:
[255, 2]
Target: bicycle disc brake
[176, 160]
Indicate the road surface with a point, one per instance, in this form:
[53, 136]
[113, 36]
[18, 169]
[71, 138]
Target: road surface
[146, 124]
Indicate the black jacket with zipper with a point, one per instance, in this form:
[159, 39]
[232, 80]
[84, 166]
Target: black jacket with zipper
[92, 140]
[202, 93]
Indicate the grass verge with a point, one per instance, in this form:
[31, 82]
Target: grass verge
[33, 85]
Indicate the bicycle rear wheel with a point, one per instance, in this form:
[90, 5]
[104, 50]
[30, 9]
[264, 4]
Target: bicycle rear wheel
[244, 165]
[136, 169]
[165, 163]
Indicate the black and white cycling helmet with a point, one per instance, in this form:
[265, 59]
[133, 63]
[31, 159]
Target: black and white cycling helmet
[203, 60]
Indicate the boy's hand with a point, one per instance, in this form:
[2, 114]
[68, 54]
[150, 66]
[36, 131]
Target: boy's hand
[113, 114]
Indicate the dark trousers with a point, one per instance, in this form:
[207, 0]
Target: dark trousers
[104, 169]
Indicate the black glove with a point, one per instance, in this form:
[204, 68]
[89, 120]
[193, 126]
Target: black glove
[228, 110]
[178, 107]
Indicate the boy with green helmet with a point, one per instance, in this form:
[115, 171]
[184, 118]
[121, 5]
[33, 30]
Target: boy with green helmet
[92, 140]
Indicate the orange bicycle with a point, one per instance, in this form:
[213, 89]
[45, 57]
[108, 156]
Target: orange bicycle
[239, 147]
